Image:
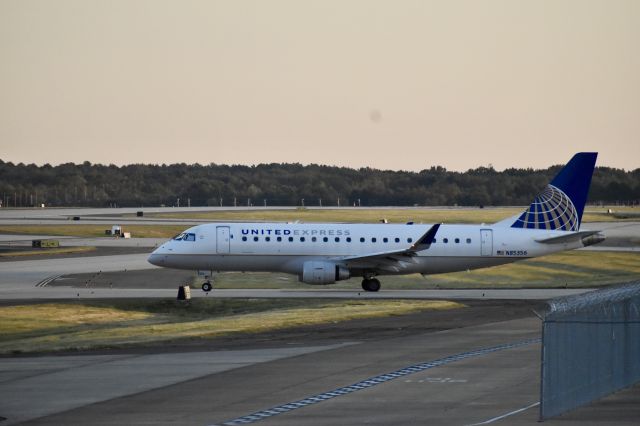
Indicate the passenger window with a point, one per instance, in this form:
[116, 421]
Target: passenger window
[244, 238]
[279, 238]
[290, 239]
[362, 239]
[267, 239]
[314, 239]
[302, 239]
[348, 239]
[433, 241]
[445, 240]
[325, 239]
[409, 240]
[385, 240]
[337, 239]
[373, 240]
[255, 238]
[457, 240]
[397, 240]
[468, 240]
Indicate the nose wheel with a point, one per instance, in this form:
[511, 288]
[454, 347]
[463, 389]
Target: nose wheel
[207, 286]
[370, 284]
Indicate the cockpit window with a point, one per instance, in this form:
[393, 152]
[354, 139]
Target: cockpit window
[185, 236]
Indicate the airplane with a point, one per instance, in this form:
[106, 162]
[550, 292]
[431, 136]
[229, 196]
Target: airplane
[324, 253]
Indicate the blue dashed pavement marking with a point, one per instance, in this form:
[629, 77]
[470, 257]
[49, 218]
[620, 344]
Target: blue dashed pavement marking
[370, 382]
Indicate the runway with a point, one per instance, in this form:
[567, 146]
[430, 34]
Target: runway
[61, 383]
[19, 279]
[30, 279]
[472, 374]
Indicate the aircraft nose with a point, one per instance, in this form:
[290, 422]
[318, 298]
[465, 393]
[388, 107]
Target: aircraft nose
[156, 259]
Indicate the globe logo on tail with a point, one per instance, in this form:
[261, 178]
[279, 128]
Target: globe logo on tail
[551, 209]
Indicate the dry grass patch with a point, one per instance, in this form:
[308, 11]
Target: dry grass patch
[83, 230]
[373, 215]
[47, 251]
[567, 269]
[15, 320]
[444, 215]
[87, 327]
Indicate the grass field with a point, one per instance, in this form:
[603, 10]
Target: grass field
[364, 215]
[354, 215]
[372, 215]
[83, 230]
[46, 251]
[90, 325]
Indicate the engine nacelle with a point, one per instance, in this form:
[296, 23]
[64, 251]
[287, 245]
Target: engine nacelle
[319, 272]
[593, 239]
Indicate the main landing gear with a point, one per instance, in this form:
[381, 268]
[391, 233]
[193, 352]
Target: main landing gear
[370, 284]
[207, 286]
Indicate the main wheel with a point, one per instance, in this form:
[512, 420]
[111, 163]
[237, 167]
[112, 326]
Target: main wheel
[207, 287]
[371, 284]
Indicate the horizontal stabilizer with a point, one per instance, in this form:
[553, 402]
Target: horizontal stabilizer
[569, 238]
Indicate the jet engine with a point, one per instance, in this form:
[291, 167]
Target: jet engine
[593, 239]
[319, 272]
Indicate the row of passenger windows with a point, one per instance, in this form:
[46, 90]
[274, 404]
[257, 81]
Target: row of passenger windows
[348, 239]
[326, 239]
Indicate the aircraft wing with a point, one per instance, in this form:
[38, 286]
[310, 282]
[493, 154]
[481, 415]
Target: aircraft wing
[393, 260]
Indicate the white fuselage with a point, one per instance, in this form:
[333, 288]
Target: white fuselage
[282, 247]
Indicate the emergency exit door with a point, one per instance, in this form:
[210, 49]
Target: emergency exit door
[486, 242]
[222, 240]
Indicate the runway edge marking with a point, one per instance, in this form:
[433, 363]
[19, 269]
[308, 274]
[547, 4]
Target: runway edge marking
[370, 382]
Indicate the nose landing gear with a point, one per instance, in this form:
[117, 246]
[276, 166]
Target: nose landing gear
[208, 276]
[370, 284]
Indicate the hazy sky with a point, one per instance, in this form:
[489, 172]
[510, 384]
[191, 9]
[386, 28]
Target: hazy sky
[386, 84]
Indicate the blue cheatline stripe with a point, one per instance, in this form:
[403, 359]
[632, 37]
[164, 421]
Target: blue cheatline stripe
[370, 382]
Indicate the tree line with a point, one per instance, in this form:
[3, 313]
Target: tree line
[137, 185]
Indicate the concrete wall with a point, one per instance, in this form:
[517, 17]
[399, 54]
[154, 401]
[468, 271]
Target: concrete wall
[590, 347]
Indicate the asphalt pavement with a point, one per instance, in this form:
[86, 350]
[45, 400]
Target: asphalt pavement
[469, 375]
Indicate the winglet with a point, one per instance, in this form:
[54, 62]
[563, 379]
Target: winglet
[425, 241]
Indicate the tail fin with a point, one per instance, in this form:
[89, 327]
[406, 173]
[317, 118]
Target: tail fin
[561, 204]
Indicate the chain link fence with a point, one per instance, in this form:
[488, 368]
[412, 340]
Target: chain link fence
[590, 347]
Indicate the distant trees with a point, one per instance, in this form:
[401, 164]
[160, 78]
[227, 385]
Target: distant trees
[89, 184]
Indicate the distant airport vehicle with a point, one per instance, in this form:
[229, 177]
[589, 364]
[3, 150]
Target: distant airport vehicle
[329, 252]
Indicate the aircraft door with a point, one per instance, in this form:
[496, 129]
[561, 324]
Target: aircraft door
[486, 242]
[222, 240]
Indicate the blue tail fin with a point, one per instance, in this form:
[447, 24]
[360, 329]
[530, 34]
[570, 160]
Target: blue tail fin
[561, 204]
